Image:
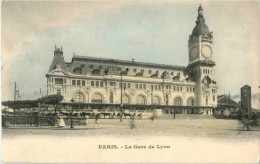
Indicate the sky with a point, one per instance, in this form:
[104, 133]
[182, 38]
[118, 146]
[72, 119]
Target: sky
[147, 31]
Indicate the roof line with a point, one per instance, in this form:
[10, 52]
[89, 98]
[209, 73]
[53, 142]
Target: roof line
[127, 62]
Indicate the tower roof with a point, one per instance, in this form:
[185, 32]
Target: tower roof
[201, 28]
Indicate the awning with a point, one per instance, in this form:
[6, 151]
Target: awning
[51, 99]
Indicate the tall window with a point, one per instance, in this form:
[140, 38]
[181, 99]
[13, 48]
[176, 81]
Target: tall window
[125, 99]
[92, 83]
[58, 92]
[101, 84]
[156, 100]
[83, 83]
[190, 102]
[78, 82]
[111, 97]
[97, 83]
[140, 100]
[73, 82]
[78, 98]
[96, 99]
[177, 101]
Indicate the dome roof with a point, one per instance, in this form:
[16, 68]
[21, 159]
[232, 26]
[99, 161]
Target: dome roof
[200, 29]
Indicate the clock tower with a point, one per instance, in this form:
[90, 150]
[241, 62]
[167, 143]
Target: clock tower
[201, 64]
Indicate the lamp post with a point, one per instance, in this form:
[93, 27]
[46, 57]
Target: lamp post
[71, 119]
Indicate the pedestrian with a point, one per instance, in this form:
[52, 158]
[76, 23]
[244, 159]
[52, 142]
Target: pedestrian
[153, 117]
[96, 120]
[132, 123]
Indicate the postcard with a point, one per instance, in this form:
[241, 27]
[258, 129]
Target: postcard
[130, 81]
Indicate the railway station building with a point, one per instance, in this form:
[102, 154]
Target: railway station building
[109, 84]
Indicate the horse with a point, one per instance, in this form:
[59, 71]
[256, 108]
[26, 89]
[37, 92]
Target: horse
[118, 115]
[106, 114]
[140, 116]
[127, 114]
[64, 113]
[83, 114]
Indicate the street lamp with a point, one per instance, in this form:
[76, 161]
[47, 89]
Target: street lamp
[71, 119]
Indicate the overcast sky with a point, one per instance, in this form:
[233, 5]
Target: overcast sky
[155, 32]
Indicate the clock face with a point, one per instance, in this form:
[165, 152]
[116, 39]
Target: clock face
[193, 53]
[206, 51]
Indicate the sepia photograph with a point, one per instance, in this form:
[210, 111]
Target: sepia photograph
[130, 81]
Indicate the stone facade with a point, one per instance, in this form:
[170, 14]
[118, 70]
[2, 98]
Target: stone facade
[93, 81]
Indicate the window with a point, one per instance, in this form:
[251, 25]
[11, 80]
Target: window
[177, 101]
[136, 86]
[129, 85]
[97, 83]
[156, 100]
[213, 98]
[177, 88]
[92, 83]
[140, 86]
[187, 89]
[170, 87]
[64, 80]
[193, 89]
[152, 87]
[78, 82]
[78, 98]
[159, 87]
[83, 83]
[140, 100]
[101, 84]
[96, 99]
[174, 89]
[125, 99]
[111, 97]
[58, 92]
[124, 85]
[181, 88]
[58, 81]
[144, 86]
[155, 87]
[73, 82]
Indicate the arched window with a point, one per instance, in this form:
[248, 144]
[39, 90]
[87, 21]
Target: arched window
[140, 100]
[177, 101]
[96, 99]
[125, 99]
[77, 70]
[78, 98]
[156, 100]
[190, 102]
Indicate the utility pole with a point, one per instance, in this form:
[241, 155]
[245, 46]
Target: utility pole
[14, 90]
[229, 101]
[121, 104]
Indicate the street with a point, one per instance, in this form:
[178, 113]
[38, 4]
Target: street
[183, 135]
